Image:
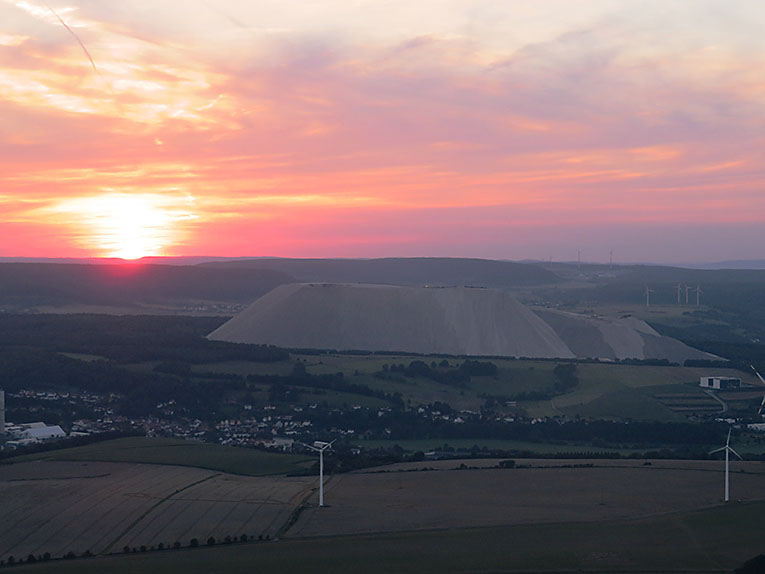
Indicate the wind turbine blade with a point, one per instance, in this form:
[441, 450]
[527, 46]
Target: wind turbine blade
[759, 376]
[734, 452]
[762, 406]
[722, 448]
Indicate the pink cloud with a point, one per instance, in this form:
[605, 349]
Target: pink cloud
[423, 147]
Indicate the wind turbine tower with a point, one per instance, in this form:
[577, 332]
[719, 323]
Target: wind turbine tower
[698, 293]
[727, 450]
[679, 289]
[687, 289]
[648, 296]
[320, 446]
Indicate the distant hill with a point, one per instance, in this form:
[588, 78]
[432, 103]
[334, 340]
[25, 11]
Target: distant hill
[731, 264]
[414, 271]
[49, 284]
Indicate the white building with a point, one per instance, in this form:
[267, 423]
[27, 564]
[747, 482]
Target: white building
[720, 383]
[44, 433]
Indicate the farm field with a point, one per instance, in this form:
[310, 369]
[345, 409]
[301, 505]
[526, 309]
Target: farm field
[541, 448]
[548, 491]
[172, 451]
[101, 507]
[605, 390]
[714, 540]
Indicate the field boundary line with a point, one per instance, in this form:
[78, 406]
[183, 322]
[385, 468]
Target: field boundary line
[153, 507]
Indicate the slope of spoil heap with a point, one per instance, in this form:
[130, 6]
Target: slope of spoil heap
[453, 320]
[623, 338]
[457, 321]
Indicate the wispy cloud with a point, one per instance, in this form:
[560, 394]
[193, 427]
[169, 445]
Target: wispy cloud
[602, 116]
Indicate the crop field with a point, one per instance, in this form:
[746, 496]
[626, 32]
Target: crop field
[713, 540]
[466, 444]
[181, 452]
[57, 507]
[559, 491]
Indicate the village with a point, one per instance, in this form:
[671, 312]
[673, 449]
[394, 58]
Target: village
[266, 426]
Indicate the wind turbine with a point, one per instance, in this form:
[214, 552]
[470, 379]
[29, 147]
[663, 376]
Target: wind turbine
[648, 296]
[679, 289]
[762, 404]
[698, 292]
[687, 289]
[727, 450]
[320, 446]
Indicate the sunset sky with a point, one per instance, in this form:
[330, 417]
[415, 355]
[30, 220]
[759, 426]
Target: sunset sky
[504, 129]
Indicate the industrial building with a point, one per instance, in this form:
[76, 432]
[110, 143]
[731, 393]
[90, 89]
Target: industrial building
[720, 383]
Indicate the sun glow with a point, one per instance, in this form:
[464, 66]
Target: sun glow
[126, 225]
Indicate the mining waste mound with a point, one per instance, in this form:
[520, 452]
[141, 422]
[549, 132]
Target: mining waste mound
[450, 320]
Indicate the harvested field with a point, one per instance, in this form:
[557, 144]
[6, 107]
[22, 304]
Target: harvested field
[549, 492]
[710, 541]
[56, 507]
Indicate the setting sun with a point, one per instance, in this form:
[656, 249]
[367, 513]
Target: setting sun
[127, 226]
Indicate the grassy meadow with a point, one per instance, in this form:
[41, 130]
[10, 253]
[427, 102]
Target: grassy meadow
[171, 451]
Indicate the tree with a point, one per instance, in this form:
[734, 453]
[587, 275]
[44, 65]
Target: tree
[211, 541]
[194, 543]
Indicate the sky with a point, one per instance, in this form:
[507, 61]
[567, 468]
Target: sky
[503, 129]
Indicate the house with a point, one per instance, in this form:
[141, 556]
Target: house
[720, 383]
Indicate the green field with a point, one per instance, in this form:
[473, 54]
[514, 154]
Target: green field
[713, 540]
[613, 391]
[605, 390]
[539, 448]
[180, 452]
